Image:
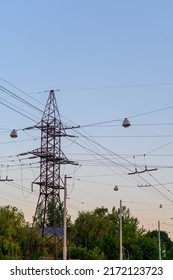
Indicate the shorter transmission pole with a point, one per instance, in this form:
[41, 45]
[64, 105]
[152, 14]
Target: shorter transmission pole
[65, 218]
[121, 233]
[160, 255]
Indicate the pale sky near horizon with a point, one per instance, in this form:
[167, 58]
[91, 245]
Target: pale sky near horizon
[108, 60]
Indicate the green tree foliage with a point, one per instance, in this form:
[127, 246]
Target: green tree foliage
[51, 212]
[94, 235]
[99, 230]
[13, 232]
[15, 236]
[84, 254]
[146, 248]
[166, 243]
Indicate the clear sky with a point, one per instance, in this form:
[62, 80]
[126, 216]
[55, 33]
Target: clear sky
[109, 60]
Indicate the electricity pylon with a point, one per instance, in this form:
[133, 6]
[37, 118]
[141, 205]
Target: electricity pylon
[49, 180]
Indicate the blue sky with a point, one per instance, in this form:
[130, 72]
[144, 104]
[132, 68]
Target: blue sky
[109, 60]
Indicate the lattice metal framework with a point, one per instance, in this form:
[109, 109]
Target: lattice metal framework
[49, 181]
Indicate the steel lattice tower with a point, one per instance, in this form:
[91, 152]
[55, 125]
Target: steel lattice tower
[50, 181]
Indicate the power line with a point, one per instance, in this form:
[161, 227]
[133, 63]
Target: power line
[151, 112]
[158, 148]
[20, 99]
[17, 112]
[117, 86]
[9, 83]
[138, 174]
[18, 108]
[130, 136]
[18, 141]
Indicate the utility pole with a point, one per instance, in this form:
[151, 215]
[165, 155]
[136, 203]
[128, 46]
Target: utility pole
[50, 181]
[160, 254]
[121, 234]
[65, 218]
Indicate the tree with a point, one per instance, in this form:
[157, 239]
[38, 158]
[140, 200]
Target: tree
[89, 227]
[49, 214]
[13, 229]
[98, 231]
[15, 236]
[95, 235]
[146, 248]
[166, 243]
